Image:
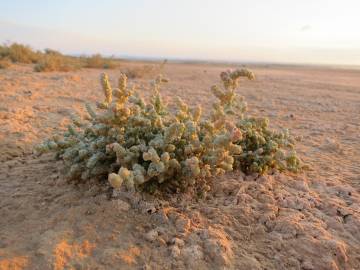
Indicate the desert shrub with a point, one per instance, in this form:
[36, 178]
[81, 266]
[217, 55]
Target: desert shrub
[97, 61]
[150, 146]
[18, 53]
[140, 72]
[263, 147]
[5, 63]
[55, 61]
[145, 71]
[52, 60]
[4, 51]
[52, 52]
[22, 54]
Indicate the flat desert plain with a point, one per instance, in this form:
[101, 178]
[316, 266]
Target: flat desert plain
[309, 220]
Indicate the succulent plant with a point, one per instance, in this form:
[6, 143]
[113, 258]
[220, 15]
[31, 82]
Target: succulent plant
[146, 146]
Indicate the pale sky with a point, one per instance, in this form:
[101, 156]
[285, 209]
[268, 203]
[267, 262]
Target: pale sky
[285, 31]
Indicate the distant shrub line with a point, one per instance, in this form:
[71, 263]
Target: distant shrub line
[145, 71]
[50, 60]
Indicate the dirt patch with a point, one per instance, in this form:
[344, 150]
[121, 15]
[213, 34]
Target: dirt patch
[279, 221]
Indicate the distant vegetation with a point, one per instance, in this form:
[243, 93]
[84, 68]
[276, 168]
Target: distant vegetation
[19, 53]
[141, 72]
[97, 61]
[145, 71]
[50, 60]
[55, 61]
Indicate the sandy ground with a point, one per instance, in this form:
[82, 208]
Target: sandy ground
[280, 221]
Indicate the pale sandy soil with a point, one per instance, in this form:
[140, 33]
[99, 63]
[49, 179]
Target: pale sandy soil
[280, 221]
